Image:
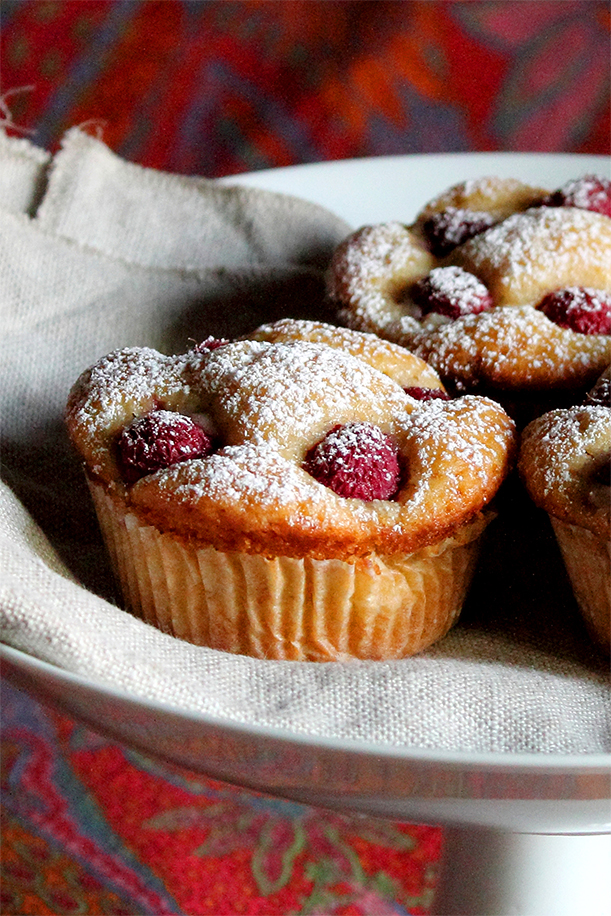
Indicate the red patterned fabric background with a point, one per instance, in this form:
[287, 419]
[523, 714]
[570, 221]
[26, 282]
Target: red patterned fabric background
[93, 827]
[217, 88]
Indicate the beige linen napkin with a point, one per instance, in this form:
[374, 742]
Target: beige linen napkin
[98, 253]
[23, 170]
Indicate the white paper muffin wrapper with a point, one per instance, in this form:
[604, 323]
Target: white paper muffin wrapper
[286, 608]
[588, 562]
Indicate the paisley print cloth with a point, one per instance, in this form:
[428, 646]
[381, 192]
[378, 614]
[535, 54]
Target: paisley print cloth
[92, 827]
[216, 88]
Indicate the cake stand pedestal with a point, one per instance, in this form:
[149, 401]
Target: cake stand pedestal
[488, 872]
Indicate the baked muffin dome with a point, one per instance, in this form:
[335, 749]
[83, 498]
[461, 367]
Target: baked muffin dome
[565, 462]
[264, 404]
[490, 251]
[268, 404]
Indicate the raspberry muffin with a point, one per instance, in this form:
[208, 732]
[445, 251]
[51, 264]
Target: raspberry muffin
[503, 288]
[301, 494]
[565, 460]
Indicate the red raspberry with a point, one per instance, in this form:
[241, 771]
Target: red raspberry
[451, 291]
[587, 311]
[451, 227]
[158, 440]
[427, 394]
[600, 396]
[357, 460]
[591, 192]
[211, 343]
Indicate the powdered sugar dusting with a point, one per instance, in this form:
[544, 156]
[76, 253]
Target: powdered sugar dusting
[274, 393]
[453, 444]
[451, 291]
[511, 348]
[579, 308]
[564, 462]
[372, 269]
[526, 255]
[255, 473]
[568, 438]
[271, 402]
[356, 460]
[158, 440]
[125, 384]
[590, 192]
[453, 226]
[539, 241]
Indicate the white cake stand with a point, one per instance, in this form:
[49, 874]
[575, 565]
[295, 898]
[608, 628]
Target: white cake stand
[504, 854]
[526, 835]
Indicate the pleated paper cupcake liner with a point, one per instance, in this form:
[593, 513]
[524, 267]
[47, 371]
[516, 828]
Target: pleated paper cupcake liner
[287, 608]
[588, 562]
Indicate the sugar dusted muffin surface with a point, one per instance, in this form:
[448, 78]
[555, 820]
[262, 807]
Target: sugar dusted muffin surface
[565, 463]
[467, 285]
[302, 454]
[266, 404]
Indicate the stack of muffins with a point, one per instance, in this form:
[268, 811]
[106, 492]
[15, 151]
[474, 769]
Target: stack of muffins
[319, 493]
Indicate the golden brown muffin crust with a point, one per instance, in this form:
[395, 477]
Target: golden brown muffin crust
[270, 402]
[564, 461]
[531, 251]
[500, 197]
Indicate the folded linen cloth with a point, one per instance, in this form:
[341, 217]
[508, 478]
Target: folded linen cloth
[98, 253]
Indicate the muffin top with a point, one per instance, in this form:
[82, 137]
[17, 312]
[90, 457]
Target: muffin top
[496, 283]
[300, 440]
[565, 461]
